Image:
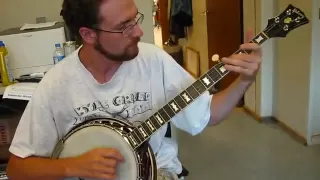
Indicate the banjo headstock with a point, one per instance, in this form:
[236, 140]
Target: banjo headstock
[290, 19]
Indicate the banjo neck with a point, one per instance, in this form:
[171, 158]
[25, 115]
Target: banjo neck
[278, 26]
[145, 130]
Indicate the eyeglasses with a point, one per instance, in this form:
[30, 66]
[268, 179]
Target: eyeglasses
[128, 29]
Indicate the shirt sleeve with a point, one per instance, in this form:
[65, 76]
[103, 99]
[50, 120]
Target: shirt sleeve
[195, 117]
[36, 133]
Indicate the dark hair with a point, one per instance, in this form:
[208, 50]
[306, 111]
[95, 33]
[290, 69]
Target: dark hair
[80, 13]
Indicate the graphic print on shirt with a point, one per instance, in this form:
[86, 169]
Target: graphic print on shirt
[123, 107]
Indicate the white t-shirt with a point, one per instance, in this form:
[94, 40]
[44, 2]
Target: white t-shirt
[68, 95]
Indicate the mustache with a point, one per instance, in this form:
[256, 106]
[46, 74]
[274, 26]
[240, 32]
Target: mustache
[136, 40]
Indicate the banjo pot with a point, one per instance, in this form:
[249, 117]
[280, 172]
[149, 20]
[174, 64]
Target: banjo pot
[140, 164]
[132, 141]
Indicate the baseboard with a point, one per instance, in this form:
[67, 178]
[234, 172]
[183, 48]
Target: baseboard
[273, 120]
[252, 114]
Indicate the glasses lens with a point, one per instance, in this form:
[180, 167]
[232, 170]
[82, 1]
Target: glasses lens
[128, 30]
[139, 19]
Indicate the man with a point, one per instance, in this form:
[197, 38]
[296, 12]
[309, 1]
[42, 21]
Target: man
[109, 70]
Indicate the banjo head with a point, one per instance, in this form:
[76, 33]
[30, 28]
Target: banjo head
[105, 133]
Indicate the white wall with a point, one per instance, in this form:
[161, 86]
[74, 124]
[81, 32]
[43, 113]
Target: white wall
[293, 73]
[268, 56]
[145, 7]
[17, 12]
[257, 98]
[287, 87]
[314, 103]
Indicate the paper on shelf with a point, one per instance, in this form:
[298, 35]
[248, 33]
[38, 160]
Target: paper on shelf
[20, 91]
[38, 25]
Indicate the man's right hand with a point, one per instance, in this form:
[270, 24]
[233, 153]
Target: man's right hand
[96, 164]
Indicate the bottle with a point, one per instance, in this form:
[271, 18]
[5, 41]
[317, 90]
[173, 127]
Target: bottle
[58, 54]
[6, 74]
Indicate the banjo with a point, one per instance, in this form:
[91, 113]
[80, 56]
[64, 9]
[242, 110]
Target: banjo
[132, 141]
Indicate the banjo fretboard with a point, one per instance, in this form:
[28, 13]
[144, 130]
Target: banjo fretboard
[146, 129]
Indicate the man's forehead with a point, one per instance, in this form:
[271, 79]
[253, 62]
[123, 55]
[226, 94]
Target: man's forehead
[116, 11]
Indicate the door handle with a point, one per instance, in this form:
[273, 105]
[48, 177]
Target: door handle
[204, 13]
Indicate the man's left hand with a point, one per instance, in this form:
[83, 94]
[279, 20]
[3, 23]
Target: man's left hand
[247, 65]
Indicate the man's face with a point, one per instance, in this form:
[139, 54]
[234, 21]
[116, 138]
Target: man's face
[118, 15]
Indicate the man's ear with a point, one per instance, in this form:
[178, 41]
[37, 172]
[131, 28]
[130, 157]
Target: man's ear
[88, 35]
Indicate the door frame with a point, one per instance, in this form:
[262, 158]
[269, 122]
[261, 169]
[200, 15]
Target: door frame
[164, 19]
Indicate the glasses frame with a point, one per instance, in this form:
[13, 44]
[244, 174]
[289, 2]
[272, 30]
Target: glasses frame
[130, 27]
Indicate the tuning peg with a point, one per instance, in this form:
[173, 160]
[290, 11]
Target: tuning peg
[215, 58]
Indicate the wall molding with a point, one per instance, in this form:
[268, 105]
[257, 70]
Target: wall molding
[273, 120]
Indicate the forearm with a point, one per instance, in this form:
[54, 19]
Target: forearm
[224, 101]
[37, 168]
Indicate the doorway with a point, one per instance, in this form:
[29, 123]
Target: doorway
[225, 34]
[217, 29]
[160, 21]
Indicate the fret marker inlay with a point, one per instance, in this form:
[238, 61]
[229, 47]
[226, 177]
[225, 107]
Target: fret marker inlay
[259, 39]
[174, 106]
[150, 126]
[143, 132]
[222, 69]
[186, 97]
[206, 81]
[159, 119]
[133, 140]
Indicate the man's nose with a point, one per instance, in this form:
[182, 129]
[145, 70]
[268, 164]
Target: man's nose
[137, 32]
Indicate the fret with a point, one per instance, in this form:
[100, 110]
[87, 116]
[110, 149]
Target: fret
[221, 70]
[136, 136]
[155, 122]
[171, 109]
[214, 75]
[147, 128]
[162, 117]
[150, 125]
[143, 132]
[186, 97]
[181, 103]
[242, 51]
[192, 91]
[201, 88]
[139, 134]
[132, 140]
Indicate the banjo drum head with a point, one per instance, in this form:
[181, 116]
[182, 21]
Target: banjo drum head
[92, 137]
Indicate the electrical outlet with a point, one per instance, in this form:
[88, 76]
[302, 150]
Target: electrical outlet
[41, 19]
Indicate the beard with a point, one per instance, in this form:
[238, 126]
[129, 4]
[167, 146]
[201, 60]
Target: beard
[129, 53]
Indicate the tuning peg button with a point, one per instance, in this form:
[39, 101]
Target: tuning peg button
[215, 58]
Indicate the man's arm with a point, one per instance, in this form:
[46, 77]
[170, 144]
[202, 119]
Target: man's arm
[37, 168]
[99, 163]
[247, 65]
[224, 101]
